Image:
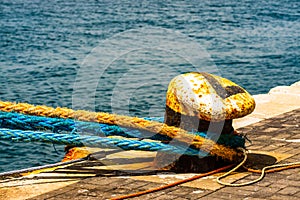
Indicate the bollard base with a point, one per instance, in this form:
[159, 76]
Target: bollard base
[185, 163]
[188, 164]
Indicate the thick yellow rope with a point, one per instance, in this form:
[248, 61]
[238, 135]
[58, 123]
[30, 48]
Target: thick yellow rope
[126, 121]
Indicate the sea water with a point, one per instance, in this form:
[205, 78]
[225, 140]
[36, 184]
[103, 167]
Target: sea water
[106, 56]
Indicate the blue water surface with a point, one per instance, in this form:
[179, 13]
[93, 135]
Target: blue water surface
[44, 44]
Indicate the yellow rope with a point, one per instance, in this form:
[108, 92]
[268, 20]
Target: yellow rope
[263, 171]
[125, 121]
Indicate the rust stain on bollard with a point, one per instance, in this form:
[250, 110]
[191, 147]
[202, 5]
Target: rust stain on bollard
[202, 102]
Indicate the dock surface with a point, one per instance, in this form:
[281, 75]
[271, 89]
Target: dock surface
[273, 129]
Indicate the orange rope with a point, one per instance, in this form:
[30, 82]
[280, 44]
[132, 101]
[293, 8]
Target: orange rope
[197, 177]
[171, 184]
[125, 121]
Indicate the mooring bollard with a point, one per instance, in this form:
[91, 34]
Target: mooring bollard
[206, 103]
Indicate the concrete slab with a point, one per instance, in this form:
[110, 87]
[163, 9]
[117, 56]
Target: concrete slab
[279, 100]
[286, 90]
[21, 190]
[242, 122]
[297, 84]
[274, 109]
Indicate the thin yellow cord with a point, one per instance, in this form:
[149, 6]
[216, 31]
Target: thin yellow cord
[125, 121]
[263, 171]
[233, 170]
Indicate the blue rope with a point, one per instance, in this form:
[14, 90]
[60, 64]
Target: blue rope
[57, 125]
[92, 141]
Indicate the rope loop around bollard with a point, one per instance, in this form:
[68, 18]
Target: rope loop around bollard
[181, 135]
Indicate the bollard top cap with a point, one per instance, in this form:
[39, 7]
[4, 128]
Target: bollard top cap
[209, 97]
